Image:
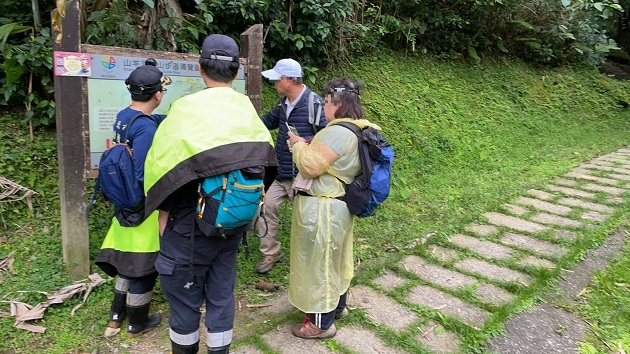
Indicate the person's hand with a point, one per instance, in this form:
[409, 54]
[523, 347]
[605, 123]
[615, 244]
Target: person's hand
[294, 138]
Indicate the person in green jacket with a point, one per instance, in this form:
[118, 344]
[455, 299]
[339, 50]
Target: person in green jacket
[207, 133]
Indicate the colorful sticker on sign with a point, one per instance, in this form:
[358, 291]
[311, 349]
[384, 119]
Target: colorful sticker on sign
[108, 62]
[72, 64]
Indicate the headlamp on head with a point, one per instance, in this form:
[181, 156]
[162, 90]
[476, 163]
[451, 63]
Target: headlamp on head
[337, 90]
[147, 79]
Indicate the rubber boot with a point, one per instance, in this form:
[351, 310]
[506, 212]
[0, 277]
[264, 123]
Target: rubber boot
[139, 320]
[184, 349]
[118, 311]
[219, 350]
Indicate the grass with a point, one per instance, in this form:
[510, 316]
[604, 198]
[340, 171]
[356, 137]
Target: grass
[467, 138]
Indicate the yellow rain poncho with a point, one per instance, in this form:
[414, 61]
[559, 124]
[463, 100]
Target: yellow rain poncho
[322, 227]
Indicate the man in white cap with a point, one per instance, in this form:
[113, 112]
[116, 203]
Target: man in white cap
[299, 108]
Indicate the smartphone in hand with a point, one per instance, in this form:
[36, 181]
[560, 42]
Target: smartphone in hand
[292, 129]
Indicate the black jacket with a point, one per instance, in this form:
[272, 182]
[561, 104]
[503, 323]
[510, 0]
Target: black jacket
[276, 118]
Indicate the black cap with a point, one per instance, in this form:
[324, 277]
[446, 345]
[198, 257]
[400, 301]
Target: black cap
[219, 46]
[146, 79]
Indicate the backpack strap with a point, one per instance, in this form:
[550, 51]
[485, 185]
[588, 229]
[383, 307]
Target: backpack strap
[128, 127]
[314, 117]
[353, 127]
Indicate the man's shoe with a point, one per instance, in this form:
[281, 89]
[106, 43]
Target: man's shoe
[342, 313]
[308, 330]
[267, 262]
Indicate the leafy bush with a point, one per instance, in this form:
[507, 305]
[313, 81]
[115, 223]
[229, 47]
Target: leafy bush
[26, 78]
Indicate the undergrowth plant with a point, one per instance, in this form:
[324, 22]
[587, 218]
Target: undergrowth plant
[467, 139]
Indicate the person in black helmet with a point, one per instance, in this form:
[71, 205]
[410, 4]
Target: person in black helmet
[129, 253]
[207, 133]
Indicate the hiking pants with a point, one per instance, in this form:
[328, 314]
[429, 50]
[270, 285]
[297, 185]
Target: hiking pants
[278, 192]
[139, 290]
[325, 320]
[186, 287]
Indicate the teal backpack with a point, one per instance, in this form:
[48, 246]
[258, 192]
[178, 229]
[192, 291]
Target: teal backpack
[229, 203]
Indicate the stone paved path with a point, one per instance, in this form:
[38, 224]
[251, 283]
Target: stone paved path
[426, 299]
[481, 269]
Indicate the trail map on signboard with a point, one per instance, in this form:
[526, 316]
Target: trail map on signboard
[107, 93]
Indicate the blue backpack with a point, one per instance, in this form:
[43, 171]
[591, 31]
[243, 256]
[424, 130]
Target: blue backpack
[229, 203]
[118, 183]
[371, 187]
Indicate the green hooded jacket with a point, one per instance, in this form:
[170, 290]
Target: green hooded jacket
[209, 132]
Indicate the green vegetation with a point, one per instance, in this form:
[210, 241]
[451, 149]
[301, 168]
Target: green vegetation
[468, 139]
[318, 33]
[607, 308]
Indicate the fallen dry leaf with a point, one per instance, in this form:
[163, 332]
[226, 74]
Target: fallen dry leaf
[257, 305]
[24, 312]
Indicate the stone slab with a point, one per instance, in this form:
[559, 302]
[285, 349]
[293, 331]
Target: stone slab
[571, 191]
[279, 305]
[493, 295]
[514, 223]
[536, 331]
[619, 176]
[448, 305]
[494, 272]
[487, 249]
[565, 182]
[282, 341]
[542, 205]
[535, 262]
[439, 340]
[442, 253]
[363, 341]
[247, 349]
[382, 309]
[516, 210]
[482, 230]
[614, 158]
[586, 205]
[436, 274]
[540, 194]
[615, 200]
[573, 281]
[540, 247]
[587, 177]
[389, 280]
[624, 171]
[545, 218]
[614, 191]
[594, 216]
[566, 235]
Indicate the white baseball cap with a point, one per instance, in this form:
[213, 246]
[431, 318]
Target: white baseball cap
[284, 67]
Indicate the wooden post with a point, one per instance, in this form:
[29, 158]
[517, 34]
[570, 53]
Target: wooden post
[252, 49]
[71, 147]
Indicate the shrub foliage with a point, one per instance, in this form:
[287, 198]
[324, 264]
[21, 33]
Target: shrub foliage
[317, 32]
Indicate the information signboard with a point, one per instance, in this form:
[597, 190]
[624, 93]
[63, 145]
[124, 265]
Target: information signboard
[107, 93]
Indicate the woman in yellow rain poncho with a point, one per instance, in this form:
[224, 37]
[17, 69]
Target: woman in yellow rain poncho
[321, 229]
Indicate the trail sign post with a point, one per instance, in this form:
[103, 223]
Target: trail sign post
[90, 90]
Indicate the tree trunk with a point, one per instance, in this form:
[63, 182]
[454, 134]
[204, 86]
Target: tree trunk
[151, 27]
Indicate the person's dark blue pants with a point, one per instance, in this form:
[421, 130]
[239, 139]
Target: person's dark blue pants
[186, 287]
[325, 320]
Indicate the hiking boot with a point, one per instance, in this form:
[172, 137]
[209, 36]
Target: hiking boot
[267, 262]
[342, 313]
[118, 310]
[134, 331]
[308, 330]
[140, 322]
